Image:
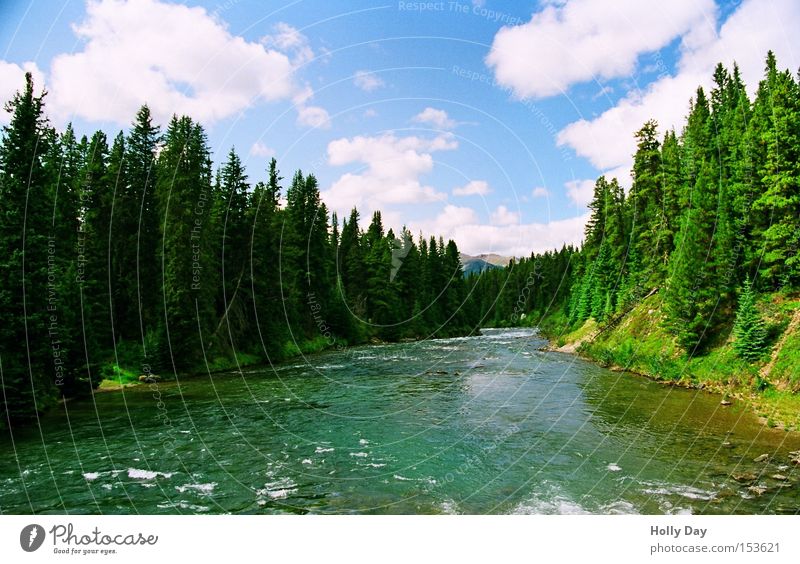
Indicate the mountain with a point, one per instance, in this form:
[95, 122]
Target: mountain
[480, 263]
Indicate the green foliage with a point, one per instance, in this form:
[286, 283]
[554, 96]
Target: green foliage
[748, 329]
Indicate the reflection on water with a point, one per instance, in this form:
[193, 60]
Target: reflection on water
[487, 424]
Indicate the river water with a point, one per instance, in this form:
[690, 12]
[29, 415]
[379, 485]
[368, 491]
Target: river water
[488, 424]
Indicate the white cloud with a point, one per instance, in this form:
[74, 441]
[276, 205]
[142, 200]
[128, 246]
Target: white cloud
[367, 81]
[370, 113]
[584, 39]
[259, 149]
[434, 117]
[12, 80]
[580, 191]
[463, 226]
[473, 188]
[175, 58]
[745, 37]
[622, 174]
[392, 167]
[451, 218]
[287, 38]
[503, 216]
[540, 192]
[313, 116]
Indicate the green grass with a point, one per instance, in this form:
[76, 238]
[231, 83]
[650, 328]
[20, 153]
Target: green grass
[115, 376]
[223, 363]
[787, 364]
[640, 343]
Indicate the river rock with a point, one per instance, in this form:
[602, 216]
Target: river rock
[779, 477]
[149, 378]
[757, 490]
[726, 444]
[726, 402]
[761, 458]
[744, 477]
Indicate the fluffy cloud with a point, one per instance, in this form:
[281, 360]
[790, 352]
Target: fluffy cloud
[12, 80]
[580, 191]
[434, 117]
[288, 39]
[367, 81]
[175, 58]
[473, 188]
[755, 27]
[462, 225]
[259, 149]
[503, 216]
[540, 192]
[313, 116]
[393, 167]
[584, 40]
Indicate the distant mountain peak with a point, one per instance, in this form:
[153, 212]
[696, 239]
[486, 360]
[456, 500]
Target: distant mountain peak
[473, 264]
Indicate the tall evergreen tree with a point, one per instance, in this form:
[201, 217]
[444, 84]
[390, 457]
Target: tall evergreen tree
[29, 375]
[142, 144]
[749, 332]
[183, 193]
[781, 178]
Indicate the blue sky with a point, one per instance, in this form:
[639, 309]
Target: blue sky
[483, 121]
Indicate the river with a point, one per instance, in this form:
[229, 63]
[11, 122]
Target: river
[488, 424]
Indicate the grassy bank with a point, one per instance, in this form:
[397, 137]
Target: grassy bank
[126, 370]
[638, 342]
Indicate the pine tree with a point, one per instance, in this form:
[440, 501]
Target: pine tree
[183, 193]
[748, 330]
[268, 314]
[234, 240]
[692, 295]
[646, 202]
[27, 355]
[145, 238]
[97, 193]
[781, 177]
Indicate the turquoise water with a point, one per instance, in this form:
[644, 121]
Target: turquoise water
[488, 424]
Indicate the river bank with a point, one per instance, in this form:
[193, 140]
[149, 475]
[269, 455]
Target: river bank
[638, 343]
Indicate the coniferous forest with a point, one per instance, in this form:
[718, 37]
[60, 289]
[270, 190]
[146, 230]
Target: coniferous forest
[137, 255]
[710, 224]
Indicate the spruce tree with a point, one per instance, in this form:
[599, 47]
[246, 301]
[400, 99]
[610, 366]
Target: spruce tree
[183, 192]
[142, 143]
[28, 357]
[749, 332]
